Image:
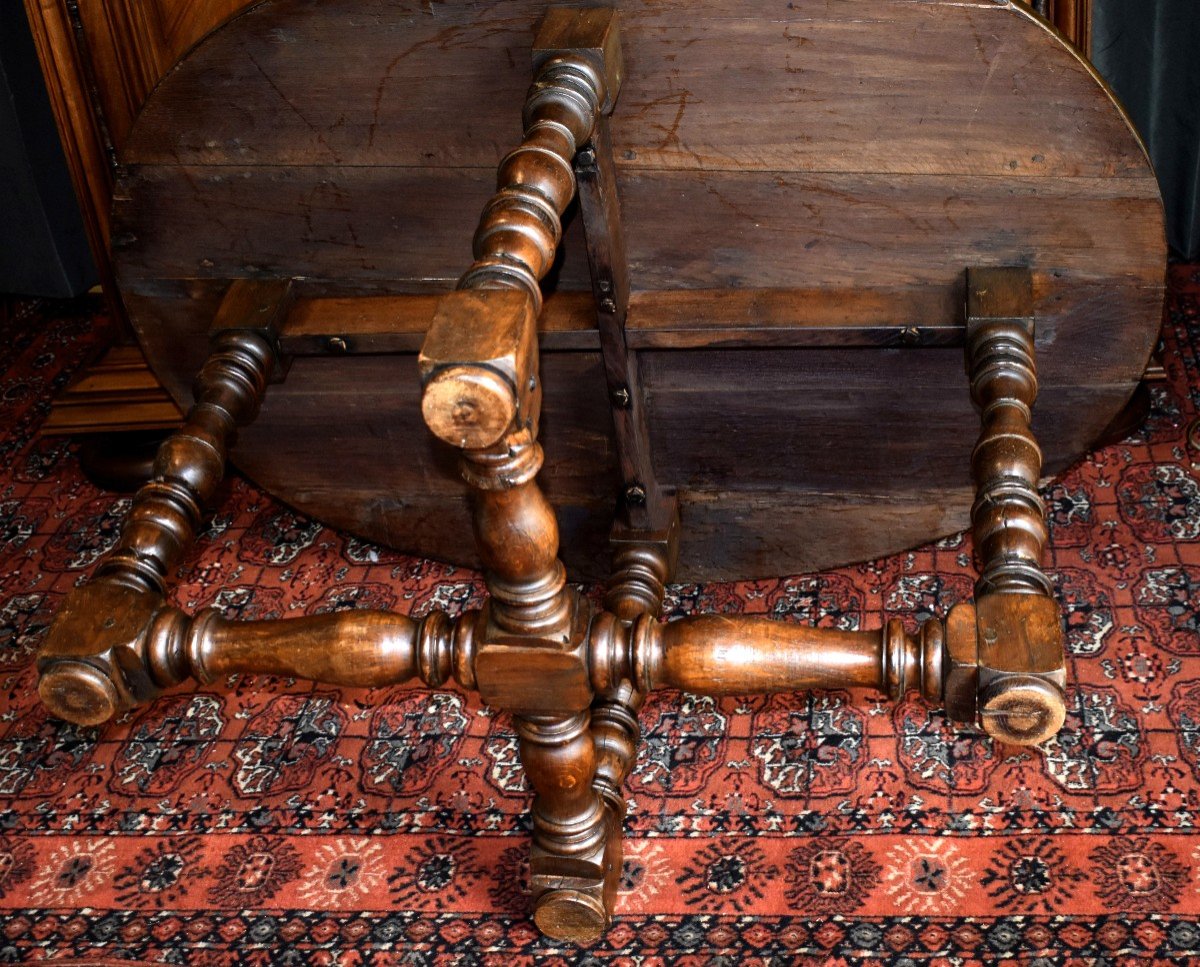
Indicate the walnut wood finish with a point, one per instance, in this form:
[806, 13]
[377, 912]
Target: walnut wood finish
[1019, 655]
[645, 531]
[642, 564]
[90, 677]
[166, 512]
[575, 679]
[149, 647]
[327, 321]
[1074, 19]
[774, 228]
[481, 392]
[645, 505]
[572, 675]
[1008, 519]
[479, 368]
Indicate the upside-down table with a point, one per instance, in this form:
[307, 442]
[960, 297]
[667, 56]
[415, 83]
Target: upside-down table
[762, 288]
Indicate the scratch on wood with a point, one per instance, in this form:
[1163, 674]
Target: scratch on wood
[295, 110]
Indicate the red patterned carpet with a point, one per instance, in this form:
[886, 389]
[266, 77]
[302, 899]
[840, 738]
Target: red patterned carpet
[271, 822]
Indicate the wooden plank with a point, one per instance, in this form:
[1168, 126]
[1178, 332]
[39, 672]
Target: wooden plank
[963, 88]
[881, 421]
[748, 230]
[684, 229]
[723, 532]
[1093, 319]
[117, 416]
[398, 323]
[866, 316]
[1084, 333]
[120, 357]
[645, 506]
[686, 319]
[320, 223]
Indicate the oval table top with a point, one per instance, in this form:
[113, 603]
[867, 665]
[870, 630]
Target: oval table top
[782, 166]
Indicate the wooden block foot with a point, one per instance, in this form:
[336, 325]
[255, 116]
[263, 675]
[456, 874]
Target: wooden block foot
[77, 692]
[573, 896]
[1022, 710]
[571, 915]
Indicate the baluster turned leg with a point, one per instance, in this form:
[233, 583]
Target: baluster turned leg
[637, 587]
[534, 664]
[481, 393]
[1021, 668]
[89, 666]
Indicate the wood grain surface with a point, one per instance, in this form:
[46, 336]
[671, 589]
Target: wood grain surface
[818, 173]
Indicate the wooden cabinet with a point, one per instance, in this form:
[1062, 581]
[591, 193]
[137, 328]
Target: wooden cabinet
[1073, 18]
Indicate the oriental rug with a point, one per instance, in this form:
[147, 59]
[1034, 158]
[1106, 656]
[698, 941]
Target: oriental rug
[273, 822]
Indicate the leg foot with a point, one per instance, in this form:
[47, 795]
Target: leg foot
[570, 863]
[79, 693]
[570, 915]
[1022, 710]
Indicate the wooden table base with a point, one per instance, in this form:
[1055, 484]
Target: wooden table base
[574, 676]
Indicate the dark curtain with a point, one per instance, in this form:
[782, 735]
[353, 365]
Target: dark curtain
[43, 248]
[1149, 51]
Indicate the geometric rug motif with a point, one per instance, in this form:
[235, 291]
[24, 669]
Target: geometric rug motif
[264, 821]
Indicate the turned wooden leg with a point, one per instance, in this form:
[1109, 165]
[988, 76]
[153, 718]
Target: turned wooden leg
[481, 393]
[533, 662]
[158, 647]
[570, 860]
[641, 568]
[1013, 680]
[88, 665]
[616, 735]
[740, 655]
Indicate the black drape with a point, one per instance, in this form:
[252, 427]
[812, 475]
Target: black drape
[43, 249]
[1149, 51]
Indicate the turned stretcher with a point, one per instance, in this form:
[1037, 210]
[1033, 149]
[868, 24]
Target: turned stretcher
[777, 288]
